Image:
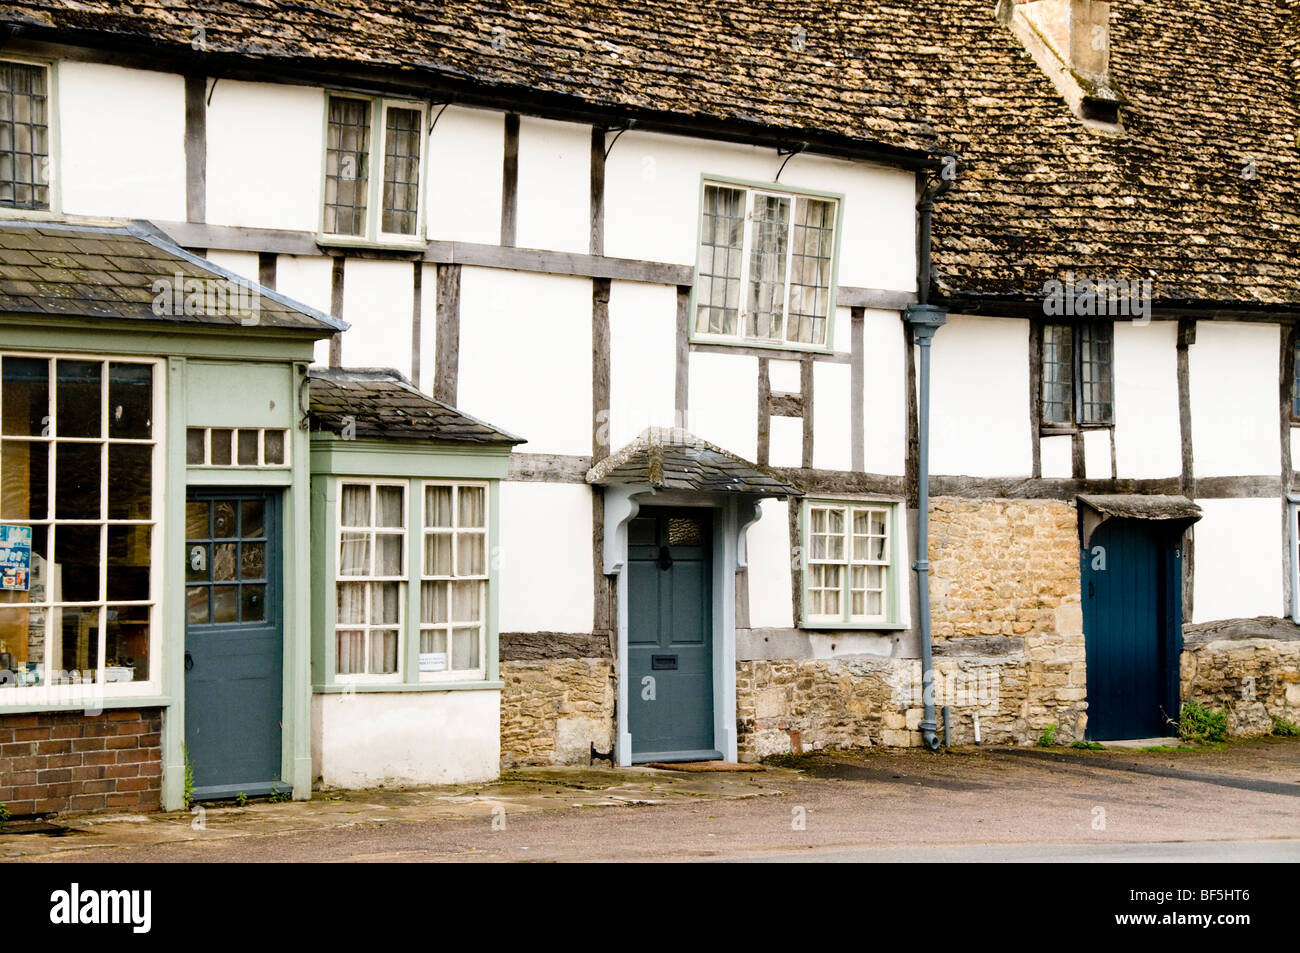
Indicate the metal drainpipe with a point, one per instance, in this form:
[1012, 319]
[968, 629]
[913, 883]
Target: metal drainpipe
[925, 319]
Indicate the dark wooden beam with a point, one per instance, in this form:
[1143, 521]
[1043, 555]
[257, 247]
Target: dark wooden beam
[682, 387]
[196, 148]
[597, 191]
[266, 269]
[446, 374]
[763, 454]
[417, 305]
[806, 388]
[510, 181]
[1036, 395]
[1186, 338]
[336, 309]
[857, 390]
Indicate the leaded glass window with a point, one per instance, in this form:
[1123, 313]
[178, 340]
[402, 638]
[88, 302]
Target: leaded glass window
[24, 136]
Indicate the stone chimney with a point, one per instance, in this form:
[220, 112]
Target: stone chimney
[1070, 42]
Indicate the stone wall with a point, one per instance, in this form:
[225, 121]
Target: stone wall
[1249, 668]
[553, 710]
[55, 762]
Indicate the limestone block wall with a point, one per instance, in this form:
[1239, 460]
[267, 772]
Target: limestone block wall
[553, 710]
[1249, 668]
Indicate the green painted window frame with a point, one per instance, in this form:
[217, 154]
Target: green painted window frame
[695, 337]
[409, 677]
[894, 591]
[374, 237]
[55, 209]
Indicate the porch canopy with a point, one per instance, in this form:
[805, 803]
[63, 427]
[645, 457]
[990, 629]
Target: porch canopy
[669, 458]
[1177, 512]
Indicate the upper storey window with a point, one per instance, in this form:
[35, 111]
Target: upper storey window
[766, 268]
[367, 200]
[24, 136]
[1078, 375]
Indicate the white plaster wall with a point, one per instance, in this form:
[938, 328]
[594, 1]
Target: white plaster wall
[1233, 371]
[767, 547]
[783, 376]
[546, 558]
[525, 356]
[377, 299]
[979, 411]
[1057, 456]
[1148, 444]
[884, 392]
[242, 263]
[463, 197]
[307, 278]
[842, 331]
[554, 186]
[264, 155]
[372, 739]
[1237, 571]
[785, 442]
[1096, 454]
[724, 401]
[832, 416]
[122, 147]
[642, 359]
[652, 203]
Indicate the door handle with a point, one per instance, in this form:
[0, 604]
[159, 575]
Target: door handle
[189, 661]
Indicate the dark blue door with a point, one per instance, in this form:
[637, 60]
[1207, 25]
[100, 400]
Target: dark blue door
[1132, 595]
[670, 635]
[234, 644]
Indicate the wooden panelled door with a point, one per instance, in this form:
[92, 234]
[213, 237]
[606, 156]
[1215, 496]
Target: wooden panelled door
[234, 642]
[670, 635]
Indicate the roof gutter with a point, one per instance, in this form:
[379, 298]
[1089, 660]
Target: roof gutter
[925, 319]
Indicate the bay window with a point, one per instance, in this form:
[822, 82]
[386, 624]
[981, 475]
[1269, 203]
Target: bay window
[454, 580]
[851, 576]
[78, 511]
[371, 583]
[765, 273]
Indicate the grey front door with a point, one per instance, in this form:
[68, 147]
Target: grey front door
[670, 635]
[234, 642]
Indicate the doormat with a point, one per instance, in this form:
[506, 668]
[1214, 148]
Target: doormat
[701, 766]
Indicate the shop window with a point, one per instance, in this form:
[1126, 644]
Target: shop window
[453, 580]
[236, 447]
[78, 451]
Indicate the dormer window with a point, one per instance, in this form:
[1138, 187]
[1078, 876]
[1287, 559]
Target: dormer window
[373, 205]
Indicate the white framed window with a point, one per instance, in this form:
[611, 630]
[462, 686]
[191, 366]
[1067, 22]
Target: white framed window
[851, 577]
[370, 580]
[766, 268]
[454, 581]
[81, 476]
[364, 200]
[1293, 541]
[26, 136]
[236, 447]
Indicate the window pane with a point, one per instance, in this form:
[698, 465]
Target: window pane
[223, 561]
[354, 554]
[767, 261]
[383, 651]
[356, 505]
[24, 137]
[252, 561]
[390, 507]
[22, 630]
[130, 401]
[221, 448]
[810, 271]
[437, 506]
[437, 554]
[385, 603]
[722, 232]
[223, 519]
[195, 446]
[273, 447]
[130, 480]
[76, 564]
[225, 603]
[248, 448]
[351, 603]
[1095, 363]
[198, 562]
[466, 599]
[347, 155]
[433, 640]
[196, 605]
[471, 554]
[196, 519]
[127, 647]
[24, 480]
[472, 509]
[76, 477]
[1058, 374]
[388, 554]
[128, 562]
[433, 602]
[79, 636]
[252, 519]
[401, 171]
[252, 603]
[26, 395]
[464, 648]
[80, 398]
[350, 646]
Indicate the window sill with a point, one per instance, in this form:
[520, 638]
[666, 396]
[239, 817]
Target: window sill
[121, 701]
[416, 243]
[407, 687]
[853, 626]
[775, 346]
[31, 214]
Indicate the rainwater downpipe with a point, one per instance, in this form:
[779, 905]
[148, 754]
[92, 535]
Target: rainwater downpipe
[925, 319]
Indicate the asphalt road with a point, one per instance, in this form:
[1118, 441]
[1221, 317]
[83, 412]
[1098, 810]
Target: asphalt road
[1240, 804]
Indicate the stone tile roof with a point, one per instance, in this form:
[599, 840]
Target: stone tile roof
[672, 459]
[1209, 85]
[380, 402]
[49, 268]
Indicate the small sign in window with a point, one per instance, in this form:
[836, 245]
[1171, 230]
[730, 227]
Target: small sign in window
[15, 558]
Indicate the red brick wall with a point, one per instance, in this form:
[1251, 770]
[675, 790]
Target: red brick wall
[71, 761]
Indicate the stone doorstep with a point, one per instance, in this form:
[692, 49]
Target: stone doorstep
[1136, 743]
